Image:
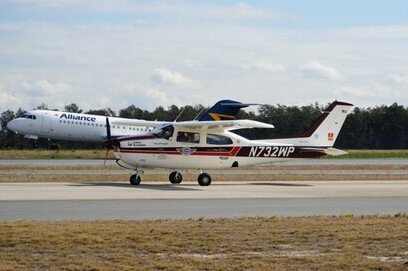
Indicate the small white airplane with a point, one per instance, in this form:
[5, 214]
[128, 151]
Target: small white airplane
[92, 128]
[214, 145]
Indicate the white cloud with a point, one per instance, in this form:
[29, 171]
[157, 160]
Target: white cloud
[206, 49]
[168, 77]
[43, 88]
[264, 66]
[8, 100]
[192, 63]
[315, 69]
[397, 78]
[371, 93]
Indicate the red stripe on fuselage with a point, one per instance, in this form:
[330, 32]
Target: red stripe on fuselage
[233, 152]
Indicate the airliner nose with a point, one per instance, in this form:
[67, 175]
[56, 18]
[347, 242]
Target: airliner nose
[11, 125]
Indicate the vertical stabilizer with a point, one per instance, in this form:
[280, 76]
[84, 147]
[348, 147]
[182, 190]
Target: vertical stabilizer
[223, 110]
[324, 132]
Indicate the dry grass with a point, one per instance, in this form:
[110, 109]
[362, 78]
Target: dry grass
[302, 243]
[53, 167]
[56, 154]
[261, 167]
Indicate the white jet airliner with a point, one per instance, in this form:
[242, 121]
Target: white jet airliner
[92, 128]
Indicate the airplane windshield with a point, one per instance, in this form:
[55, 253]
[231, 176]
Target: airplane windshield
[28, 116]
[165, 132]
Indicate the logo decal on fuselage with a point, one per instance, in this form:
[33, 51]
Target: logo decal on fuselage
[186, 150]
[275, 151]
[76, 117]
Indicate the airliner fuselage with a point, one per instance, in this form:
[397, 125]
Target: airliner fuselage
[75, 127]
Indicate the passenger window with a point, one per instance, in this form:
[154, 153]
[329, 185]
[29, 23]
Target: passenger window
[188, 137]
[218, 140]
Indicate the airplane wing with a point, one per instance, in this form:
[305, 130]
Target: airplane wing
[137, 122]
[221, 125]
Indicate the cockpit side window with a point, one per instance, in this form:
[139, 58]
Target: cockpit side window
[34, 117]
[218, 139]
[188, 137]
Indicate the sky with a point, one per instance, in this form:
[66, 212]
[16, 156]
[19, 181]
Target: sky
[101, 53]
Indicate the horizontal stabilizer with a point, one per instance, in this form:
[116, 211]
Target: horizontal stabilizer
[327, 151]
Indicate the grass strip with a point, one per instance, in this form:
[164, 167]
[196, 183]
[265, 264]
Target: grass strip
[293, 243]
[260, 167]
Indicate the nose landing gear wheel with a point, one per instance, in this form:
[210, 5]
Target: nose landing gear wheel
[204, 179]
[175, 177]
[134, 179]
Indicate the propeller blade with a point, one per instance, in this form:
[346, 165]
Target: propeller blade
[108, 129]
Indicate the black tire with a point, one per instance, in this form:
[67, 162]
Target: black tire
[134, 179]
[204, 179]
[175, 177]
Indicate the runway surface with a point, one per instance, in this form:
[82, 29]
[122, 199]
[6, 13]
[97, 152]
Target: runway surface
[188, 200]
[158, 200]
[196, 208]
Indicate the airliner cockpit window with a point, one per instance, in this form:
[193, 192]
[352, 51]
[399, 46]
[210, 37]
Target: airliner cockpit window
[165, 132]
[34, 117]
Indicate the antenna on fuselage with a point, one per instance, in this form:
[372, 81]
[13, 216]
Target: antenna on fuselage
[179, 114]
[199, 113]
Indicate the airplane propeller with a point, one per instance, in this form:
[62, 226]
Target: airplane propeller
[108, 136]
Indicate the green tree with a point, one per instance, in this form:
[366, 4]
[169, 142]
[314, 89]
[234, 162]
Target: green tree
[73, 108]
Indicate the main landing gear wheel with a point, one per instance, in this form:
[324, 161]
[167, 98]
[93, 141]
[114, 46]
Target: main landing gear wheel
[204, 179]
[135, 179]
[175, 177]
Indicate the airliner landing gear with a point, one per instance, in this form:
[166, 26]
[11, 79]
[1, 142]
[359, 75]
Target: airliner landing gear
[204, 179]
[135, 179]
[175, 177]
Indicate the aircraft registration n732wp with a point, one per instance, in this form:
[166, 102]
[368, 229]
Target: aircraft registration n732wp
[211, 143]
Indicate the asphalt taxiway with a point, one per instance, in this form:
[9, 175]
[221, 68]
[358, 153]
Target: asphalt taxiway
[76, 201]
[159, 200]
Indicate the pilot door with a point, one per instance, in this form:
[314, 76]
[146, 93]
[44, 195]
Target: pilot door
[46, 123]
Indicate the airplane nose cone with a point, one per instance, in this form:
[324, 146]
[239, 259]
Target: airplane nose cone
[11, 125]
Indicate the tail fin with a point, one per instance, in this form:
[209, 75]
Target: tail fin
[325, 130]
[223, 110]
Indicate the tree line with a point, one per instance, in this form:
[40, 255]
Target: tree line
[380, 127]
